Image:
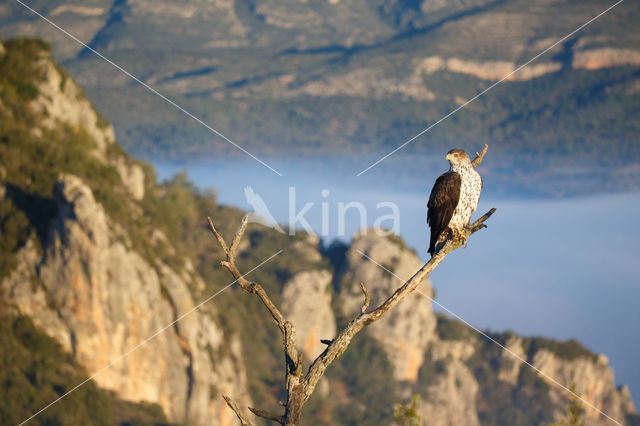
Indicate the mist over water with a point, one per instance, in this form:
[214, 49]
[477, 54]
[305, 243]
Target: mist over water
[562, 268]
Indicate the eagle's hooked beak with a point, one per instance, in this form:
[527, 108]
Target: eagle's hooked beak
[448, 157]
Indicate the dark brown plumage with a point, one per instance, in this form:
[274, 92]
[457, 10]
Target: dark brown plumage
[442, 203]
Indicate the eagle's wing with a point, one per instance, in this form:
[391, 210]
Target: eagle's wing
[442, 202]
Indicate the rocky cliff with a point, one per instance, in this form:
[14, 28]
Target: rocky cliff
[85, 284]
[101, 300]
[428, 357]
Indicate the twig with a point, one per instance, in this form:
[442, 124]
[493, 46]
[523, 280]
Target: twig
[367, 299]
[234, 407]
[218, 236]
[238, 236]
[476, 161]
[267, 415]
[245, 284]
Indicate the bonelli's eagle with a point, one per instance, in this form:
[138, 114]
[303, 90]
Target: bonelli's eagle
[453, 199]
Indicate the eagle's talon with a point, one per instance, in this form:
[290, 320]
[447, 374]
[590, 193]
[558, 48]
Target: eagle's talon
[458, 236]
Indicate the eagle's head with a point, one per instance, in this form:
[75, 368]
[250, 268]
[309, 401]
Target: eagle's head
[457, 156]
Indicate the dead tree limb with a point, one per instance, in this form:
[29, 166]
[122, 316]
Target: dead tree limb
[234, 407]
[298, 387]
[479, 156]
[367, 299]
[293, 359]
[266, 415]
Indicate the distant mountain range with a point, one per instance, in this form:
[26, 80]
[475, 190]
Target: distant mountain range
[360, 77]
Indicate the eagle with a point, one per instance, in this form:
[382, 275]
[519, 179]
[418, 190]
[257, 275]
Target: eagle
[453, 199]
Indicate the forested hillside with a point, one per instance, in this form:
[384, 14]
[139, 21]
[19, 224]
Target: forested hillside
[358, 77]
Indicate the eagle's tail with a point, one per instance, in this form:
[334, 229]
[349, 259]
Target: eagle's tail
[432, 243]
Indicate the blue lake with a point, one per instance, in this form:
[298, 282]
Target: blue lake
[566, 268]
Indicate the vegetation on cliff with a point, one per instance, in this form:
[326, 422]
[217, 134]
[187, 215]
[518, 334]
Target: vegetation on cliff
[36, 370]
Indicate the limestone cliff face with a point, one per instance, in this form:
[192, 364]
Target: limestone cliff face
[306, 301]
[451, 398]
[407, 330]
[486, 70]
[450, 393]
[509, 364]
[62, 102]
[593, 380]
[112, 308]
[101, 300]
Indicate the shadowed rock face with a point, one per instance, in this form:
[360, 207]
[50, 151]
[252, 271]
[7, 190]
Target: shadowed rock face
[100, 300]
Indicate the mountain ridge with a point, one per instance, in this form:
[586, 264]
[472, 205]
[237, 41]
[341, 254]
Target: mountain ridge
[363, 89]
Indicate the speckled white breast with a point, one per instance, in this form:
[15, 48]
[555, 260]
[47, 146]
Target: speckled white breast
[469, 195]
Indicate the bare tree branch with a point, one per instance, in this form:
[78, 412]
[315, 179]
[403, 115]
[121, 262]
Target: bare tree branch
[367, 299]
[476, 161]
[293, 359]
[340, 343]
[267, 415]
[299, 388]
[234, 407]
[238, 236]
[249, 286]
[218, 236]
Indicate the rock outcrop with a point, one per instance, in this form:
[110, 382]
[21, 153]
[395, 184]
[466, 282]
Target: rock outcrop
[306, 301]
[450, 390]
[111, 308]
[592, 379]
[407, 330]
[451, 398]
[487, 70]
[509, 369]
[61, 101]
